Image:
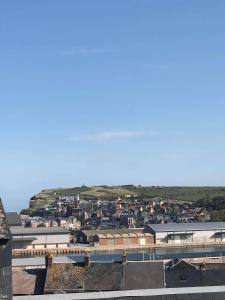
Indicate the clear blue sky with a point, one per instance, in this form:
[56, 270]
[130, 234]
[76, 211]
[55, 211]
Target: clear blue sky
[110, 92]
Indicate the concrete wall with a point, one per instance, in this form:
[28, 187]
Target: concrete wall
[191, 237]
[5, 269]
[49, 241]
[130, 241]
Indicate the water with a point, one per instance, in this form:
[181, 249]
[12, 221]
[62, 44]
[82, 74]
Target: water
[155, 254]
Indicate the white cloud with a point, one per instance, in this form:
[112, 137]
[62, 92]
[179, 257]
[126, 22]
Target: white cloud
[124, 135]
[109, 135]
[86, 51]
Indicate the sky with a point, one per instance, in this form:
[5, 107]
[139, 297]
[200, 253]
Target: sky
[110, 92]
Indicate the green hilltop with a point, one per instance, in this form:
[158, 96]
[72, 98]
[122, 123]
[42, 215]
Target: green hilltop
[48, 196]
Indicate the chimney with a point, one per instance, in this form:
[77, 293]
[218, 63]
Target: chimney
[87, 260]
[48, 260]
[124, 258]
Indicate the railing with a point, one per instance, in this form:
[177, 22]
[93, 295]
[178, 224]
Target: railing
[82, 250]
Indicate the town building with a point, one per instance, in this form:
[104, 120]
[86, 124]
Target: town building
[182, 273]
[182, 233]
[5, 257]
[103, 276]
[40, 237]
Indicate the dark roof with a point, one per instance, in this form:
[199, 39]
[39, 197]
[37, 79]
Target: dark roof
[183, 265]
[13, 219]
[17, 230]
[101, 276]
[184, 274]
[4, 229]
[28, 281]
[143, 275]
[66, 277]
[177, 227]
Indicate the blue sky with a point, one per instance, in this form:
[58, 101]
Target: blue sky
[110, 92]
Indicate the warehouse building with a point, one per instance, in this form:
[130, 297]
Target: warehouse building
[183, 233]
[5, 258]
[123, 239]
[120, 236]
[40, 237]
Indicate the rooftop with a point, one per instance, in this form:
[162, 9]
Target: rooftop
[101, 276]
[173, 227]
[28, 281]
[17, 230]
[123, 235]
[112, 231]
[13, 219]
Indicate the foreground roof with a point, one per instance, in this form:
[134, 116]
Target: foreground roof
[4, 229]
[176, 227]
[28, 281]
[104, 276]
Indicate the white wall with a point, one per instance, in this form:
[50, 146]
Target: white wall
[50, 240]
[197, 237]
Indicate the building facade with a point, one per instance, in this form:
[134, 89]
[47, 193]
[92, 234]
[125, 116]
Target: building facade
[136, 239]
[184, 233]
[5, 258]
[40, 237]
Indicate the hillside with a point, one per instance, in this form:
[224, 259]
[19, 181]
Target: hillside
[46, 197]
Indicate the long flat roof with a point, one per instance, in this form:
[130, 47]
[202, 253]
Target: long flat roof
[176, 227]
[111, 230]
[18, 230]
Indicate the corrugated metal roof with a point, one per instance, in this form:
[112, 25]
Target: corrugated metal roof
[177, 227]
[133, 235]
[18, 230]
[113, 231]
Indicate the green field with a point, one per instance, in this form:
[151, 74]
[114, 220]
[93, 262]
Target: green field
[46, 197]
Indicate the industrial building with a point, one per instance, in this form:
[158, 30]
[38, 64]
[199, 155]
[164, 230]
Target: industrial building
[114, 236]
[40, 237]
[183, 233]
[133, 239]
[5, 257]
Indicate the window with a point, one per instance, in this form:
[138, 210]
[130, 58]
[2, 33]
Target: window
[183, 277]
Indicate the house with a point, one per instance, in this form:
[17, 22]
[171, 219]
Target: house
[183, 233]
[185, 274]
[40, 237]
[5, 257]
[104, 276]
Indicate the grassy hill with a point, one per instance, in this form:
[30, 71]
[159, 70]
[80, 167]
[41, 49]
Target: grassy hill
[46, 197]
